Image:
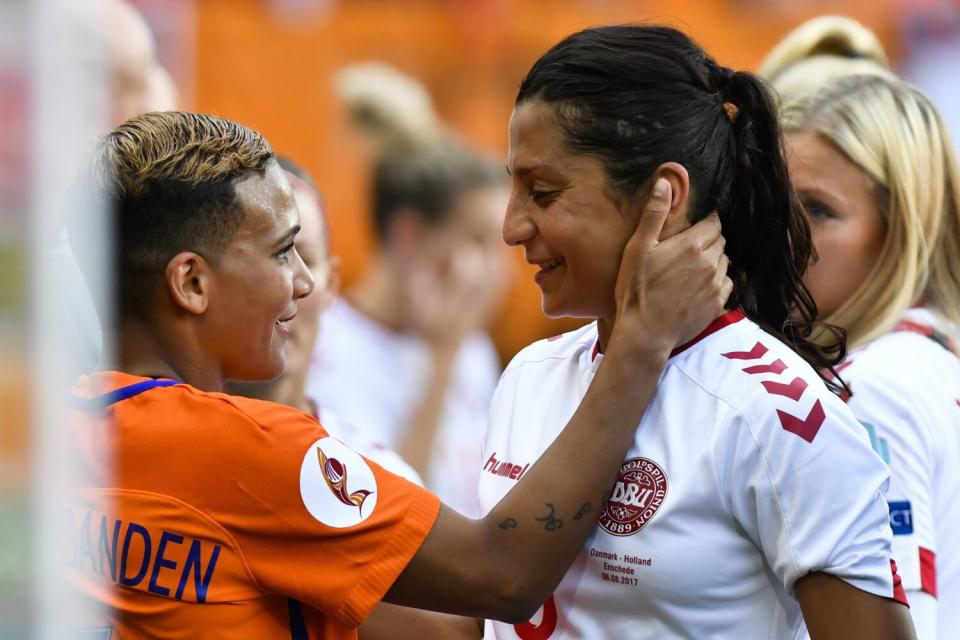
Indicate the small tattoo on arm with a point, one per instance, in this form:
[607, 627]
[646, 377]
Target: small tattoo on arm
[550, 522]
[509, 523]
[584, 509]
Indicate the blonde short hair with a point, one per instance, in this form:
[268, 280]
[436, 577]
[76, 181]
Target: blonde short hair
[169, 180]
[897, 137]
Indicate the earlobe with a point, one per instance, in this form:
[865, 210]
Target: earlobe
[187, 279]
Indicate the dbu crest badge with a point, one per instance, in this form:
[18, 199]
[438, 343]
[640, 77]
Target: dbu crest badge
[637, 495]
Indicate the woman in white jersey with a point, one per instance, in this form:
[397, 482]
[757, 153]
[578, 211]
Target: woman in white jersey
[871, 160]
[750, 504]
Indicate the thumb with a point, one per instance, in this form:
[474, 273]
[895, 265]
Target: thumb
[654, 214]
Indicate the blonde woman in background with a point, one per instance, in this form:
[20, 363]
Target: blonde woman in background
[820, 51]
[403, 352]
[872, 161]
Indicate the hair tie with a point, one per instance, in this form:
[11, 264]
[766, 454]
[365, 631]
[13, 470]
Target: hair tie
[731, 110]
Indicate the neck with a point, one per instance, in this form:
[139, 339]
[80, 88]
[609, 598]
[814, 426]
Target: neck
[141, 351]
[605, 329]
[376, 294]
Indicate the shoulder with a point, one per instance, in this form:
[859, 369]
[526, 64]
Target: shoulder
[209, 414]
[564, 347]
[750, 369]
[905, 362]
[779, 401]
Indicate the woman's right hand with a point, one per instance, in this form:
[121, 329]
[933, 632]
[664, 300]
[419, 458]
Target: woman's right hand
[669, 291]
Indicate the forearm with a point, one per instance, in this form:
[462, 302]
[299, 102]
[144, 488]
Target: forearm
[506, 564]
[540, 526]
[392, 622]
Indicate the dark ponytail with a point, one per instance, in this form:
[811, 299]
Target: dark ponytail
[637, 96]
[767, 234]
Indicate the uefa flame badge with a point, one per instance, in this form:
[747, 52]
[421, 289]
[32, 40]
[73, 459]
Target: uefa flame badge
[331, 494]
[335, 473]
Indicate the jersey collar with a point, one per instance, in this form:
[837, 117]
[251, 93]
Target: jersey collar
[98, 391]
[730, 317]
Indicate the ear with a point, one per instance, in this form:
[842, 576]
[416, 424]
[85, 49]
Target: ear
[406, 233]
[188, 280]
[676, 174]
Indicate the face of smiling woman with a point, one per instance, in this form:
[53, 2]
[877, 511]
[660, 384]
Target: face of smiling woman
[258, 281]
[561, 213]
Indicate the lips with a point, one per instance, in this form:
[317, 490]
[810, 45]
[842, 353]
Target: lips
[284, 324]
[547, 267]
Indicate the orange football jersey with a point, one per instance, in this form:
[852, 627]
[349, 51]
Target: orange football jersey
[205, 515]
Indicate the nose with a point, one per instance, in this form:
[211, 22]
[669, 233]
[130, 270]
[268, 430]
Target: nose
[303, 281]
[518, 227]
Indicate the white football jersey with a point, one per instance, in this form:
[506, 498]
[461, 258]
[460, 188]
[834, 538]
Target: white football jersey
[745, 474]
[374, 378]
[906, 392]
[360, 441]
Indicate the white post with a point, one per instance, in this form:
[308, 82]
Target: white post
[70, 99]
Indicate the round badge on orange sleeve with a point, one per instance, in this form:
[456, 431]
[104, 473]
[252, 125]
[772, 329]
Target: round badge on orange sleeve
[337, 486]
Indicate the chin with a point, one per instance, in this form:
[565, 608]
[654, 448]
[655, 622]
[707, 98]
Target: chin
[561, 309]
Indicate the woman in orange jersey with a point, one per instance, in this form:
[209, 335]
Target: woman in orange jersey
[198, 514]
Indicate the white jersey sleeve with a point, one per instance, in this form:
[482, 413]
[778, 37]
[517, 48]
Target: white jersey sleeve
[780, 494]
[903, 394]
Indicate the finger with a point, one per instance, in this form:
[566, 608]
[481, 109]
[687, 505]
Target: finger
[654, 214]
[701, 235]
[726, 290]
[723, 266]
[712, 253]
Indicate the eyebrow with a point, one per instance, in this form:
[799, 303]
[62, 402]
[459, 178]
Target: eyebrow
[289, 235]
[522, 171]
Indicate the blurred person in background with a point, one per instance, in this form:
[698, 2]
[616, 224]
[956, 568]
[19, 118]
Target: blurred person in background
[193, 513]
[289, 388]
[819, 52]
[403, 352]
[872, 162]
[112, 35]
[750, 504]
[386, 621]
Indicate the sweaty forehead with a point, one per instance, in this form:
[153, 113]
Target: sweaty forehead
[267, 200]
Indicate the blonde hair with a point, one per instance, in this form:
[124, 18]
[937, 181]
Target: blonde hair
[169, 177]
[820, 51]
[386, 104]
[897, 137]
[190, 148]
[419, 164]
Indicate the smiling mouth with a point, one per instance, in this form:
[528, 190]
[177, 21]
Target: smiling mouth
[284, 323]
[549, 265]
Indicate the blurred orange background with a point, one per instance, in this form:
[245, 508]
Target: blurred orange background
[269, 64]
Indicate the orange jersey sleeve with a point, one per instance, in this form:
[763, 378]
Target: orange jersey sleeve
[204, 511]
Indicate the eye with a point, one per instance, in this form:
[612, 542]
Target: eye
[818, 211]
[284, 251]
[543, 197]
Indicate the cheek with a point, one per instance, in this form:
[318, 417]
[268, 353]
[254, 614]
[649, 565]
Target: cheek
[847, 253]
